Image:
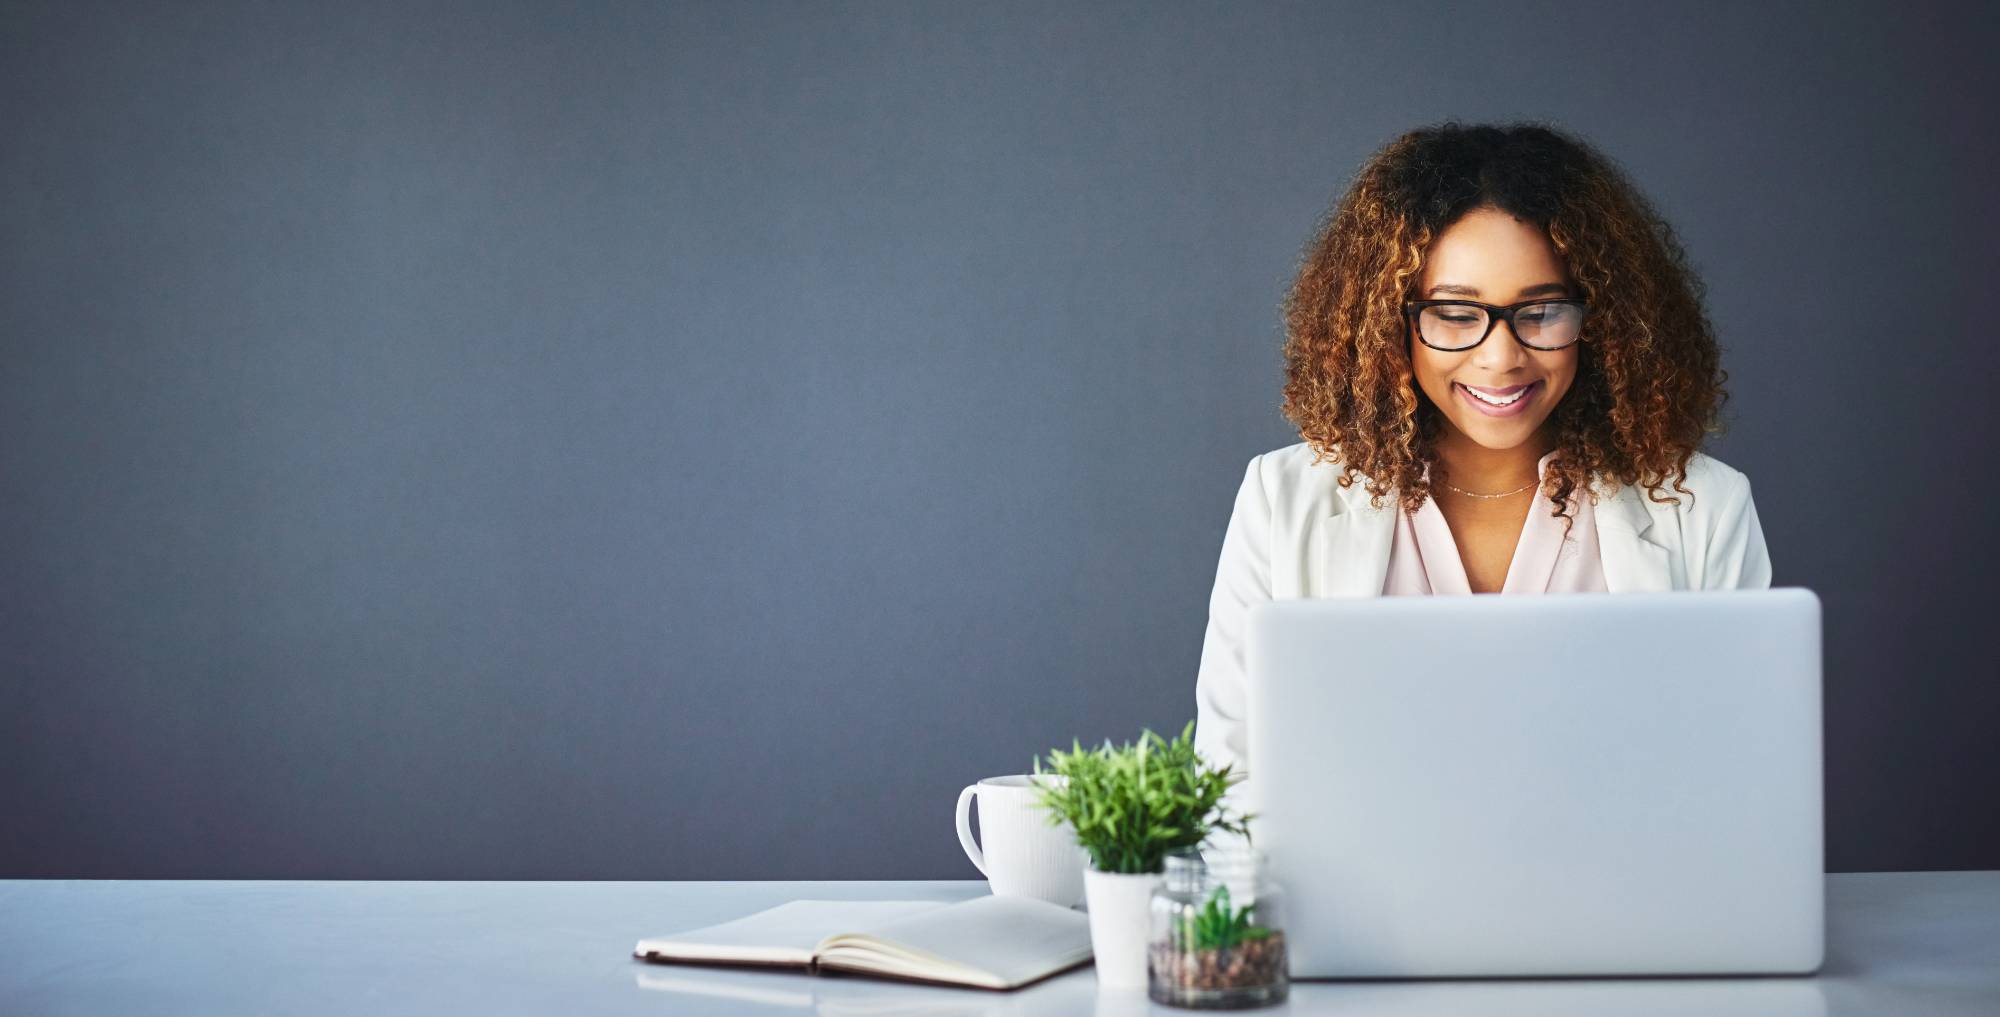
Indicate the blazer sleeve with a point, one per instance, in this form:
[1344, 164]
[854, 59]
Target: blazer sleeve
[1736, 558]
[1242, 578]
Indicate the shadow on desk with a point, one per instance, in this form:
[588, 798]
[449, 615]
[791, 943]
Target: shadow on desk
[1076, 993]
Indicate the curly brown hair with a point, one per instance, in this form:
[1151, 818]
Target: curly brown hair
[1649, 380]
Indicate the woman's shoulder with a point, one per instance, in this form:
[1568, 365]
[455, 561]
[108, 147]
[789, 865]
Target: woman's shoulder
[1288, 465]
[1716, 487]
[1294, 458]
[1296, 475]
[1705, 473]
[1712, 471]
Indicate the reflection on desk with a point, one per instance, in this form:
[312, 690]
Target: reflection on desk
[748, 991]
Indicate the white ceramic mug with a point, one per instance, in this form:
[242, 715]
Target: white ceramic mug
[1018, 851]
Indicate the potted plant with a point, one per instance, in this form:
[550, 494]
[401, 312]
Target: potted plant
[1129, 806]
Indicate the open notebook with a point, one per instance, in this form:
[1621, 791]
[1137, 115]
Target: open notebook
[987, 942]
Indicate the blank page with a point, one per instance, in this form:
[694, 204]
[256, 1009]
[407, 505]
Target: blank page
[1018, 939]
[788, 933]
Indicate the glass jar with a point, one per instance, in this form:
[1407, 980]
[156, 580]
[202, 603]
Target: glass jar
[1216, 939]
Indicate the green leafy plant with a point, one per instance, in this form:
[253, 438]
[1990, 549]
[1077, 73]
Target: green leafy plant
[1216, 927]
[1131, 804]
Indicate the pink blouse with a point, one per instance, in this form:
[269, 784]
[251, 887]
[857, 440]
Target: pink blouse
[1424, 558]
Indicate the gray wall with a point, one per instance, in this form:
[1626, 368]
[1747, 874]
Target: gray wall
[691, 440]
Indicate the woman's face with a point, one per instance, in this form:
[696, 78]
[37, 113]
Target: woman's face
[1489, 256]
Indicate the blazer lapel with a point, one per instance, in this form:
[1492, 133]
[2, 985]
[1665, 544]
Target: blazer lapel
[1632, 560]
[1354, 561]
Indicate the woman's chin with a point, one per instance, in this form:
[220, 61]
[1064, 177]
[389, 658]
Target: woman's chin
[1498, 434]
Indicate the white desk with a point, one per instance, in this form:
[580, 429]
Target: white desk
[1897, 943]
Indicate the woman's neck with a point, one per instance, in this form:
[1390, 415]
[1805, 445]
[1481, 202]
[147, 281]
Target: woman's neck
[1467, 464]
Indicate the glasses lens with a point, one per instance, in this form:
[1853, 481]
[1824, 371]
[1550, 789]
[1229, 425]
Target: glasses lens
[1452, 326]
[1549, 325]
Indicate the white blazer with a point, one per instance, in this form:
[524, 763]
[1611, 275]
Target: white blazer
[1294, 532]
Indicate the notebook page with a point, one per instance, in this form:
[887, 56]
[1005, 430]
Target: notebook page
[859, 953]
[1016, 939]
[788, 933]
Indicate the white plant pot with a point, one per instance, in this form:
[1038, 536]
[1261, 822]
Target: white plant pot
[1120, 924]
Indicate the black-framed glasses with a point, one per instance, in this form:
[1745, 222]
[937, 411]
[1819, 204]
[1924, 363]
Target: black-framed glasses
[1455, 326]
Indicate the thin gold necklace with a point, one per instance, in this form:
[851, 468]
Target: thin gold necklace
[1509, 494]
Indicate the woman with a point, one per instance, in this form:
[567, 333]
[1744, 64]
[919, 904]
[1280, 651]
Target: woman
[1497, 356]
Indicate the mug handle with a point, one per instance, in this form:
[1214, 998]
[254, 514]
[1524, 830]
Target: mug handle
[965, 828]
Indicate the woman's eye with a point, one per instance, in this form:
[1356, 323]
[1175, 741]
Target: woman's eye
[1459, 319]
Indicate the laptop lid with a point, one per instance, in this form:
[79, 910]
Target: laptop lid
[1562, 784]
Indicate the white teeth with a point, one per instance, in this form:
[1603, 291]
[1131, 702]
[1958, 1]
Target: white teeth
[1490, 401]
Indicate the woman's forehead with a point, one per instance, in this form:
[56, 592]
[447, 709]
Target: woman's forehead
[1493, 255]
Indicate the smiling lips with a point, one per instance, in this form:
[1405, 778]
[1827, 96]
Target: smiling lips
[1499, 402]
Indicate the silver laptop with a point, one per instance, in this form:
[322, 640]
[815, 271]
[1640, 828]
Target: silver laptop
[1565, 784]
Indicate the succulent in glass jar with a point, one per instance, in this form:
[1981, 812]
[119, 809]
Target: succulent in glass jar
[1207, 952]
[1215, 927]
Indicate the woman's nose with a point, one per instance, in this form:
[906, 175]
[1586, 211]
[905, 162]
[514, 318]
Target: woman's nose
[1500, 351]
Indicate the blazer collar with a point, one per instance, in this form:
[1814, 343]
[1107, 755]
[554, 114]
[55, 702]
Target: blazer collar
[1358, 537]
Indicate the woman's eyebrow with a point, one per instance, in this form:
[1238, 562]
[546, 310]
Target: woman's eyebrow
[1468, 291]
